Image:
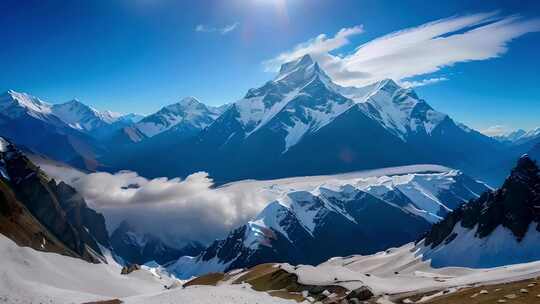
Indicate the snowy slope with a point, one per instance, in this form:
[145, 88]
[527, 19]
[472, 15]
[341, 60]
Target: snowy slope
[188, 113]
[226, 294]
[30, 276]
[501, 247]
[404, 270]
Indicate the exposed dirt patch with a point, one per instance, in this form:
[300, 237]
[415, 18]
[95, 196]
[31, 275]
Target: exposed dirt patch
[211, 279]
[521, 292]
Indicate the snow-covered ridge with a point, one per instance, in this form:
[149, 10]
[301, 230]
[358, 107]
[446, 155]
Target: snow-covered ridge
[519, 135]
[429, 194]
[73, 113]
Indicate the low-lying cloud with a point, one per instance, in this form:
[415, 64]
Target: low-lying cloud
[412, 52]
[175, 209]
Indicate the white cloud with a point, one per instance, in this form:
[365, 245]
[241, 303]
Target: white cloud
[212, 29]
[318, 46]
[415, 51]
[174, 209]
[422, 82]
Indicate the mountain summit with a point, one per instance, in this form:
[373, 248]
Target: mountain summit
[188, 115]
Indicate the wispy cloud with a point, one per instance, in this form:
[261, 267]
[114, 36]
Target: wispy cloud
[317, 47]
[415, 51]
[422, 82]
[497, 130]
[204, 28]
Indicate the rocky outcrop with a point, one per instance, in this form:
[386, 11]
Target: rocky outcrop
[360, 294]
[53, 212]
[515, 206]
[130, 268]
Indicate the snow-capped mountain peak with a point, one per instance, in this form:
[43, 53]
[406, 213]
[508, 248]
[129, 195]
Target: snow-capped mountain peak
[188, 114]
[519, 136]
[301, 71]
[83, 117]
[189, 101]
[302, 99]
[398, 109]
[14, 102]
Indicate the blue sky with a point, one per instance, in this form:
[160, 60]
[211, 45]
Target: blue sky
[138, 55]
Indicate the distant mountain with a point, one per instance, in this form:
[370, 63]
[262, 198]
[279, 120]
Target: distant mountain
[499, 228]
[188, 116]
[100, 125]
[313, 220]
[520, 141]
[519, 136]
[306, 125]
[22, 115]
[83, 117]
[70, 132]
[37, 211]
[140, 248]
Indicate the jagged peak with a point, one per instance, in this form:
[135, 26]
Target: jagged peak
[185, 103]
[301, 70]
[526, 168]
[189, 100]
[388, 85]
[305, 60]
[24, 100]
[76, 103]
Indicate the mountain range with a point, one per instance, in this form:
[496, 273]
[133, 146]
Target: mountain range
[298, 112]
[306, 124]
[360, 213]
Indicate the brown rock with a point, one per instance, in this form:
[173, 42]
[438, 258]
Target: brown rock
[130, 268]
[361, 294]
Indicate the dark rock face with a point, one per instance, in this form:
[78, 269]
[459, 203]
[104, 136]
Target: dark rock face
[361, 294]
[139, 248]
[18, 224]
[333, 235]
[515, 206]
[57, 207]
